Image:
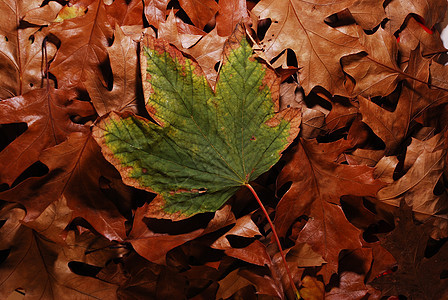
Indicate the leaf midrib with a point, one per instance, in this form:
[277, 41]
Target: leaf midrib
[242, 181]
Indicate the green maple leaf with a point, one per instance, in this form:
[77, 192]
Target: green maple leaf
[206, 144]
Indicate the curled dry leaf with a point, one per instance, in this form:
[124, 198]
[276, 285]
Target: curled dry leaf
[302, 255]
[244, 227]
[155, 11]
[300, 26]
[367, 13]
[125, 67]
[317, 182]
[414, 35]
[47, 113]
[126, 13]
[417, 276]
[84, 40]
[200, 12]
[375, 71]
[417, 186]
[232, 283]
[30, 254]
[312, 289]
[43, 15]
[154, 246]
[397, 11]
[21, 55]
[72, 164]
[416, 97]
[178, 33]
[311, 167]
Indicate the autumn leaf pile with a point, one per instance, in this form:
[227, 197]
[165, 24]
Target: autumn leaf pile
[359, 198]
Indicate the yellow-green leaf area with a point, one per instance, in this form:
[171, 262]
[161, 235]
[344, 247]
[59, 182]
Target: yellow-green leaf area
[207, 144]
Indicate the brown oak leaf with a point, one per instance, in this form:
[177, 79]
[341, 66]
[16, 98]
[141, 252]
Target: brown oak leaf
[200, 12]
[417, 186]
[367, 13]
[21, 55]
[414, 35]
[300, 26]
[375, 71]
[84, 40]
[415, 98]
[318, 182]
[431, 11]
[126, 13]
[42, 267]
[417, 276]
[178, 33]
[316, 177]
[43, 15]
[47, 112]
[154, 245]
[125, 70]
[231, 13]
[78, 173]
[155, 11]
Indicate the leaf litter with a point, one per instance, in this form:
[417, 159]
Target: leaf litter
[358, 198]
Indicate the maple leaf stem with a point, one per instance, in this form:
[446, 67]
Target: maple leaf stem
[277, 240]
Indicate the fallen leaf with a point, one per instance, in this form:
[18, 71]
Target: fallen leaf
[178, 33]
[351, 287]
[178, 167]
[326, 224]
[43, 15]
[375, 71]
[155, 11]
[302, 255]
[317, 182]
[414, 35]
[417, 186]
[199, 12]
[53, 221]
[316, 177]
[264, 284]
[154, 246]
[21, 55]
[126, 12]
[417, 276]
[208, 52]
[74, 163]
[125, 69]
[312, 289]
[367, 13]
[231, 284]
[313, 123]
[366, 157]
[255, 254]
[439, 74]
[432, 12]
[300, 26]
[47, 112]
[290, 95]
[30, 254]
[84, 40]
[244, 227]
[230, 14]
[140, 279]
[341, 115]
[415, 98]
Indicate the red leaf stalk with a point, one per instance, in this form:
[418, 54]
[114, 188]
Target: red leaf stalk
[277, 240]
